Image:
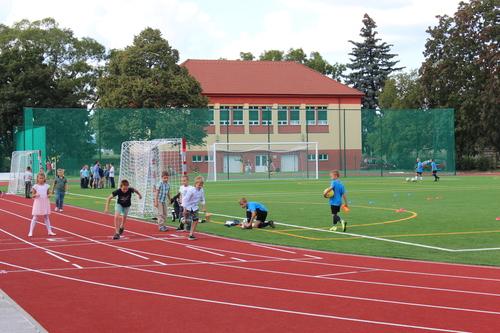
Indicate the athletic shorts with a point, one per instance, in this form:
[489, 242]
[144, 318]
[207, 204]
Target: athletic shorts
[191, 215]
[121, 209]
[335, 209]
[261, 215]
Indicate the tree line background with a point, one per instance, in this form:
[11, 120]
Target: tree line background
[44, 66]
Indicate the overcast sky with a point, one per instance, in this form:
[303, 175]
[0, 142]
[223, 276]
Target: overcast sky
[202, 29]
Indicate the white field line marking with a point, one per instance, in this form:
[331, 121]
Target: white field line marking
[77, 266]
[238, 259]
[203, 250]
[282, 273]
[321, 230]
[366, 282]
[282, 289]
[272, 248]
[133, 254]
[243, 305]
[159, 262]
[54, 255]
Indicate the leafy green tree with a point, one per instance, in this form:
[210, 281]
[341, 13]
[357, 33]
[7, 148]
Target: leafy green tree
[145, 77]
[402, 91]
[315, 61]
[272, 55]
[246, 56]
[461, 71]
[44, 66]
[297, 55]
[371, 64]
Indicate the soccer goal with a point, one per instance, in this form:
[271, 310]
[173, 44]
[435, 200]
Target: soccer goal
[142, 163]
[20, 160]
[283, 160]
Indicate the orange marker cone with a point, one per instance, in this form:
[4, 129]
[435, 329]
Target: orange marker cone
[345, 208]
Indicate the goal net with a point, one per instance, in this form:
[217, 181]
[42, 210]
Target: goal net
[142, 163]
[20, 160]
[283, 160]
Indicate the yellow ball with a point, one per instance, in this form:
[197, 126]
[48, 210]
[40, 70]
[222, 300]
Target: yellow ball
[329, 194]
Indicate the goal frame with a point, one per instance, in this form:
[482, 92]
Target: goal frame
[148, 164]
[272, 148]
[19, 160]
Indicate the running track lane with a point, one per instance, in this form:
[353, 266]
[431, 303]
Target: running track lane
[81, 280]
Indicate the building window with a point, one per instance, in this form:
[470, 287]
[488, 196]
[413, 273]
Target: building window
[294, 115]
[282, 115]
[253, 114]
[321, 157]
[224, 115]
[322, 115]
[267, 115]
[311, 115]
[237, 115]
[196, 158]
[211, 115]
[209, 158]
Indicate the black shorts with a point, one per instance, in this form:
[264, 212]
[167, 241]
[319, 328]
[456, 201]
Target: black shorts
[418, 173]
[261, 215]
[335, 209]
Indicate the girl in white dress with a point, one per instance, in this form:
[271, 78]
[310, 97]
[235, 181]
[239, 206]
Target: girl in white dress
[41, 203]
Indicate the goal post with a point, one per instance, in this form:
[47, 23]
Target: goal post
[20, 160]
[263, 160]
[142, 163]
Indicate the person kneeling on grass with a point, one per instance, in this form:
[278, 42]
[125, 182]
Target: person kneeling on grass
[255, 211]
[190, 205]
[122, 206]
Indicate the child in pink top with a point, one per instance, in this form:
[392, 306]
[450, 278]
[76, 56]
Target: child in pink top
[41, 203]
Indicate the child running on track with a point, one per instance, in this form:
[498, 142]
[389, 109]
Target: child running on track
[190, 205]
[182, 191]
[122, 206]
[41, 203]
[336, 201]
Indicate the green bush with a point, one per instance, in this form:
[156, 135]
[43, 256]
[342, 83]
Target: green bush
[483, 163]
[466, 163]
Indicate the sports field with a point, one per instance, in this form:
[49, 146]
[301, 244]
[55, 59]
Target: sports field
[453, 220]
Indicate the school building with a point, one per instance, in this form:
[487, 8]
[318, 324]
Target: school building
[278, 101]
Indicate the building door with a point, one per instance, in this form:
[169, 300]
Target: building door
[233, 162]
[260, 163]
[290, 163]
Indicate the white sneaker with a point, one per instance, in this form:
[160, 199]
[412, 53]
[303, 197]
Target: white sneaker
[57, 209]
[60, 210]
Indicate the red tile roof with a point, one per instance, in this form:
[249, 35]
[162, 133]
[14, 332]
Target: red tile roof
[264, 78]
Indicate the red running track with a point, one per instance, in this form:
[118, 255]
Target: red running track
[84, 281]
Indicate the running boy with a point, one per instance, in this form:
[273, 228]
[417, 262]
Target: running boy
[122, 206]
[418, 170]
[182, 191]
[434, 170]
[255, 211]
[336, 201]
[190, 205]
[162, 198]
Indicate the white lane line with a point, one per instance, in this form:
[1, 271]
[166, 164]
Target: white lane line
[247, 305]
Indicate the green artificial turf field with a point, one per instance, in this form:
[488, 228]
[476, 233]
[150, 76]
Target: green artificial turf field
[460, 227]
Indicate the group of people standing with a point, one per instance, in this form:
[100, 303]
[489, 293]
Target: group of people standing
[97, 177]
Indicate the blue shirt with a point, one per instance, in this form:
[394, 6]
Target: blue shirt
[433, 166]
[419, 167]
[339, 191]
[253, 206]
